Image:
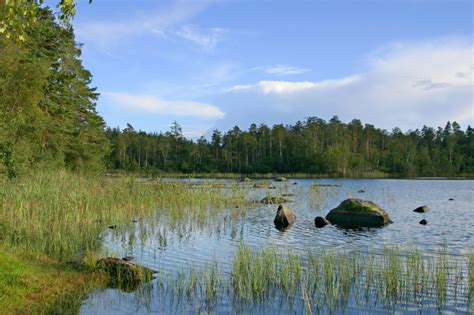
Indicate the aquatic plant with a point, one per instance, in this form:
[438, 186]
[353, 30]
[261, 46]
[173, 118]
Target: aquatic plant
[63, 214]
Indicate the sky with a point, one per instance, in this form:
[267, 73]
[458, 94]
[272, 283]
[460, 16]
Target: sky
[216, 64]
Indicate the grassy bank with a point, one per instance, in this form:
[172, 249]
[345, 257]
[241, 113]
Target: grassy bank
[55, 217]
[37, 284]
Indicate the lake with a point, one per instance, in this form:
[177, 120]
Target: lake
[174, 244]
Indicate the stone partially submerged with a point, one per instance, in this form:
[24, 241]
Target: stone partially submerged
[422, 209]
[124, 274]
[274, 200]
[284, 218]
[353, 213]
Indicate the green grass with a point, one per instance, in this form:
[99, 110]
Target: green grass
[39, 285]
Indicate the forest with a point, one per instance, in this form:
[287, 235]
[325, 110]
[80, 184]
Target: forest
[314, 146]
[49, 120]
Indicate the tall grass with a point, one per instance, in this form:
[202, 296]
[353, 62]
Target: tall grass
[62, 214]
[330, 282]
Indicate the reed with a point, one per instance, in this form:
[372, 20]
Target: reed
[329, 281]
[63, 214]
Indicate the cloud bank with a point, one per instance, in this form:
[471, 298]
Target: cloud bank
[154, 105]
[405, 85]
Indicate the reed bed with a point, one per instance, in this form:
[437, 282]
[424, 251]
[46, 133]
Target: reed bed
[63, 214]
[392, 279]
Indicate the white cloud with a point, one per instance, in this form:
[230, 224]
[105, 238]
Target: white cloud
[285, 70]
[404, 84]
[204, 38]
[164, 23]
[155, 105]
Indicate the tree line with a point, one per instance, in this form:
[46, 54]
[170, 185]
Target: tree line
[315, 146]
[48, 120]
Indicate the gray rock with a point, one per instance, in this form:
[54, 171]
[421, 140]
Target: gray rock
[320, 222]
[422, 209]
[284, 218]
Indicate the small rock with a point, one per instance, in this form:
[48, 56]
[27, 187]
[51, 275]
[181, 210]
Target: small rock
[245, 179]
[422, 209]
[423, 222]
[295, 183]
[274, 200]
[284, 217]
[271, 186]
[112, 227]
[320, 222]
[451, 199]
[361, 191]
[259, 185]
[281, 179]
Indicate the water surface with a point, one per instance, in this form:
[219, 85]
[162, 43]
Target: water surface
[173, 244]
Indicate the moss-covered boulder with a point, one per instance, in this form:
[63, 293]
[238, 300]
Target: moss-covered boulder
[284, 218]
[124, 274]
[353, 213]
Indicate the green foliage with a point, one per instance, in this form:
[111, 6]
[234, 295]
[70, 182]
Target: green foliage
[48, 108]
[314, 146]
[20, 15]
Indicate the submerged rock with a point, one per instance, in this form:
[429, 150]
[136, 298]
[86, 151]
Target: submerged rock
[218, 184]
[423, 222]
[422, 209]
[284, 218]
[353, 213]
[260, 185]
[281, 179]
[124, 274]
[361, 191]
[274, 200]
[451, 199]
[321, 222]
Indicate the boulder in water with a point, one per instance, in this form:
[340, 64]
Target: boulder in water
[423, 222]
[281, 179]
[422, 209]
[284, 218]
[353, 213]
[321, 222]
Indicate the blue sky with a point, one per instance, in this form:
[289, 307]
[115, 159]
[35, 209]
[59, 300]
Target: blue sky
[216, 64]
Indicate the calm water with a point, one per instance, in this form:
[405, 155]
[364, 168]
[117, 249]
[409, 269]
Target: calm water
[174, 244]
